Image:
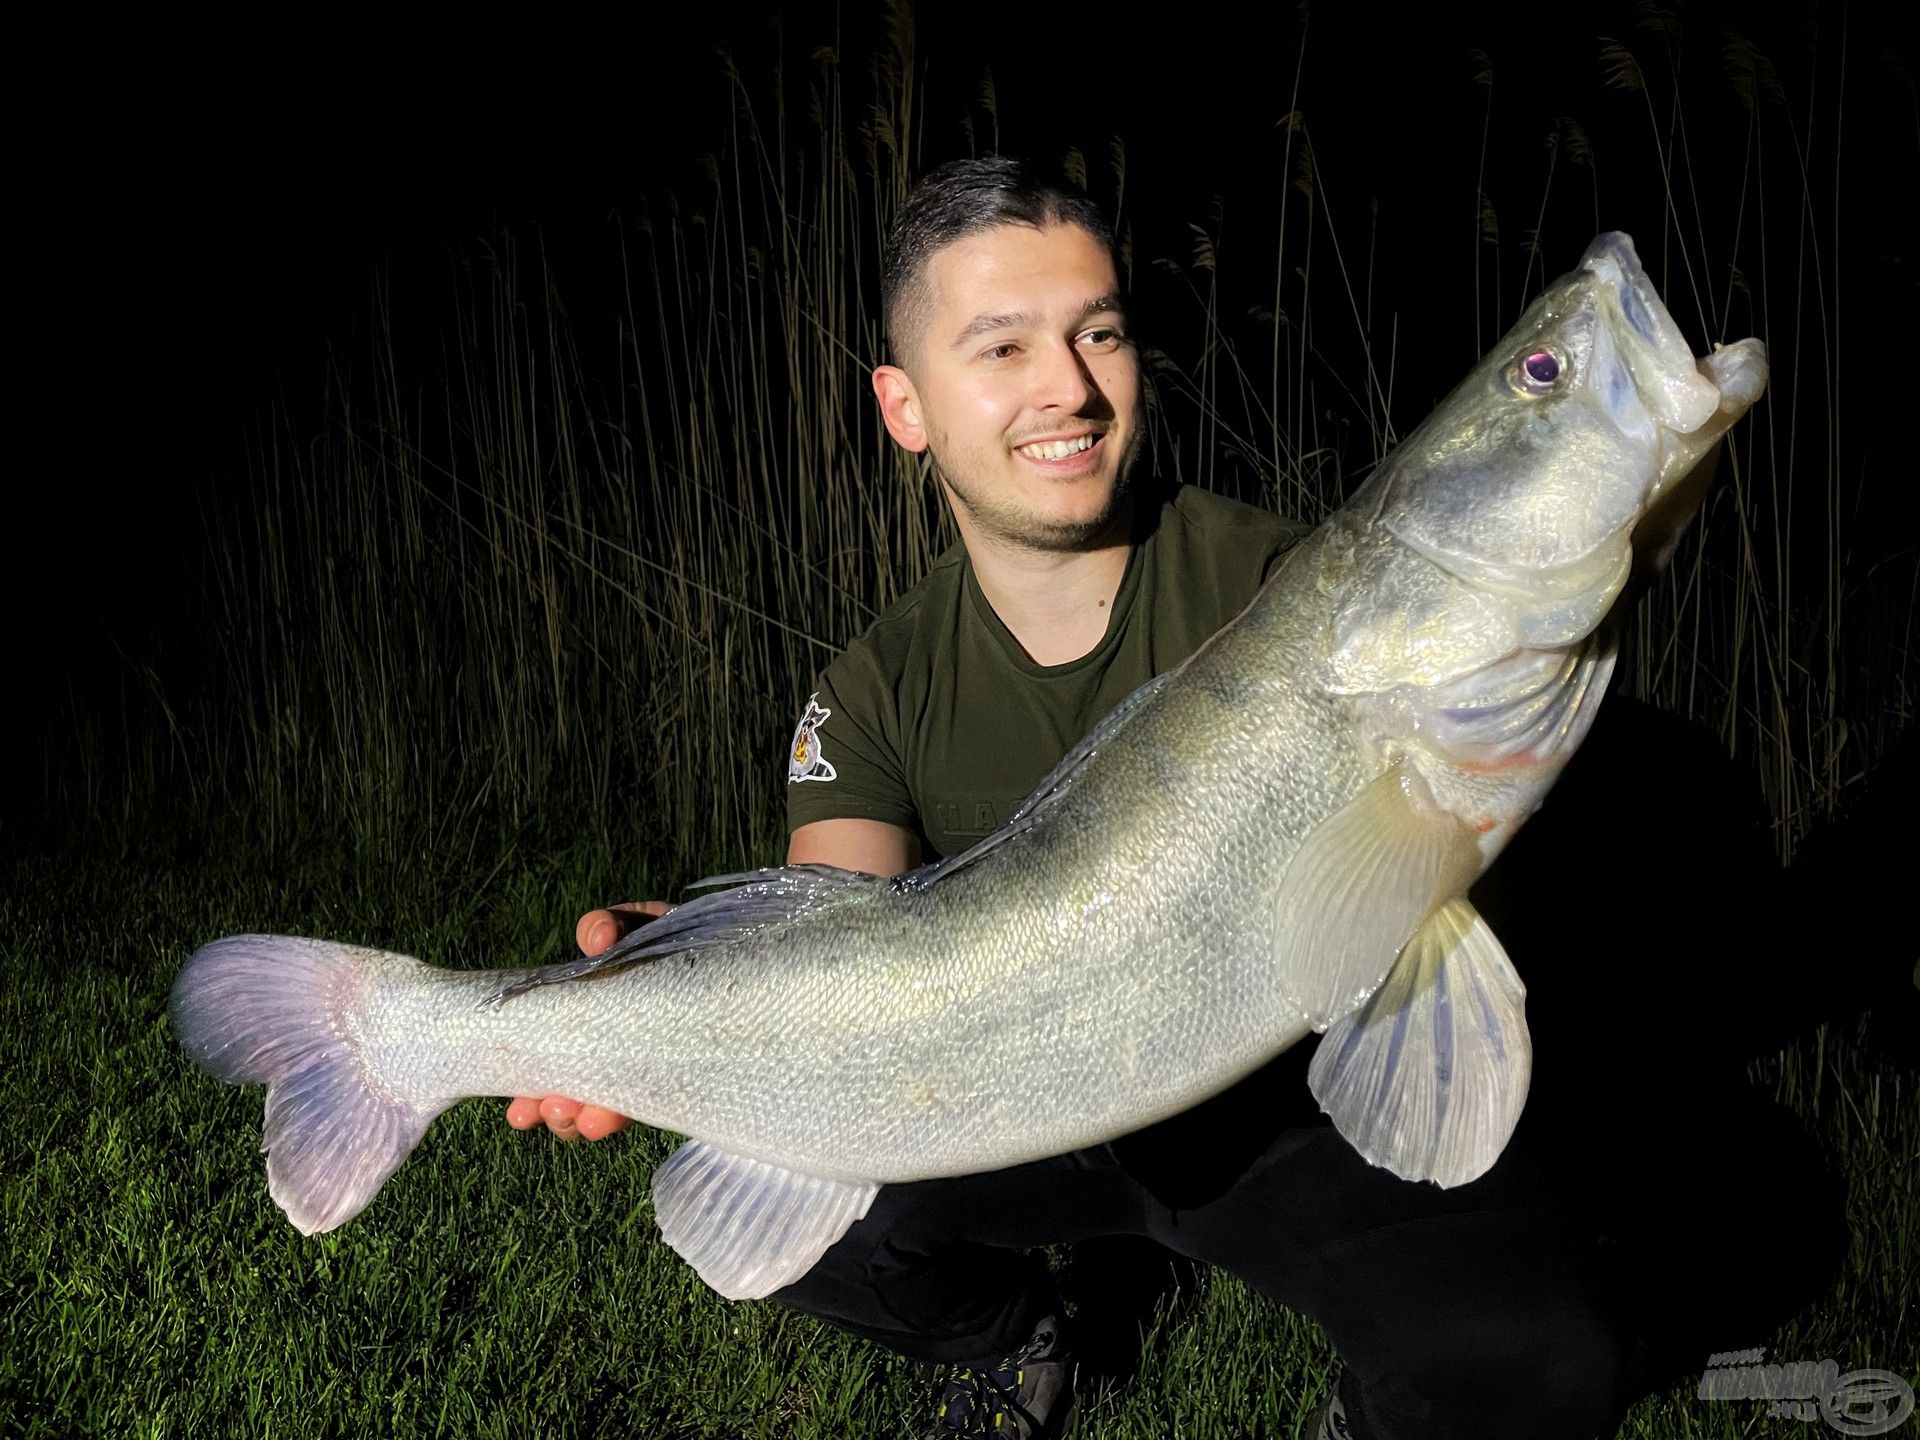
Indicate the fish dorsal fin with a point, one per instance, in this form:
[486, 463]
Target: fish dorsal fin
[748, 1227]
[1054, 784]
[767, 897]
[1428, 1078]
[1060, 778]
[1358, 888]
[762, 897]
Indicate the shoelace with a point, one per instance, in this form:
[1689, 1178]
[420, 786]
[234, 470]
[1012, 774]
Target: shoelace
[975, 1402]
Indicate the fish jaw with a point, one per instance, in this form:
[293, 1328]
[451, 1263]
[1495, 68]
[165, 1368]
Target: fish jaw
[1690, 463]
[1516, 484]
[1665, 377]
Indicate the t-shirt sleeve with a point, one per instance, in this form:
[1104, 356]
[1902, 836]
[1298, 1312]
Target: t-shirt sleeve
[841, 763]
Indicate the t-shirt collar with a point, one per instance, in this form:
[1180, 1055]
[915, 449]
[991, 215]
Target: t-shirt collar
[1117, 615]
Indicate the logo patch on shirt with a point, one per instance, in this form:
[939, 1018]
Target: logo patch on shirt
[805, 761]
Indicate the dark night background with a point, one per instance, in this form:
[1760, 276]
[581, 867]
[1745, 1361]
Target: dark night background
[211, 217]
[216, 227]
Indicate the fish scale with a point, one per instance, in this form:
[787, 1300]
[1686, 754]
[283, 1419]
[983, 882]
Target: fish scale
[1276, 838]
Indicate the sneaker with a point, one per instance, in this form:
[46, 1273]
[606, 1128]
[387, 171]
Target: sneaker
[1329, 1419]
[1026, 1396]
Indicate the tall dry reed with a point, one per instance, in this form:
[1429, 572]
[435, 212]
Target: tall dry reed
[538, 579]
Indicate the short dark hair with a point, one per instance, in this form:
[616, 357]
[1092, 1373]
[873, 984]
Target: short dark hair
[962, 198]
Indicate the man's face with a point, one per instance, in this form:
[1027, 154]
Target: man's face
[1024, 386]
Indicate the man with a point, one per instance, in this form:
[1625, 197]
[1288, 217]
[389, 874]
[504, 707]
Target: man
[1016, 371]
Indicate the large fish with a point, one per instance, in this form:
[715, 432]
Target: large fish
[1275, 838]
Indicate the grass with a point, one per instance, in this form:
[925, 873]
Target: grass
[506, 1285]
[464, 627]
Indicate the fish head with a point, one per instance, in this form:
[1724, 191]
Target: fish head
[1472, 572]
[1532, 476]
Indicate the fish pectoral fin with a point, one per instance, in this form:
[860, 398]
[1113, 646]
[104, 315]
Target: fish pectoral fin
[1428, 1078]
[748, 1227]
[1359, 886]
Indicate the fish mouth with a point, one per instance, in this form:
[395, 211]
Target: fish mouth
[1657, 356]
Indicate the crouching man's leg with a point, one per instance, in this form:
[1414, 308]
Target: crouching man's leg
[904, 1278]
[937, 1271]
[1470, 1312]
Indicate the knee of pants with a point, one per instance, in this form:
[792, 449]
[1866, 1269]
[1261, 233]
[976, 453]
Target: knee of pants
[1556, 1369]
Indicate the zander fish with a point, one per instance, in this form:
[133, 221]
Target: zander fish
[1275, 838]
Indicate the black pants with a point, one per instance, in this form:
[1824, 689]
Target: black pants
[1449, 1308]
[1619, 1240]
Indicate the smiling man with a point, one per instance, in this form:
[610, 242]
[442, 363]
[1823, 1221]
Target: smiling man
[1015, 369]
[1018, 375]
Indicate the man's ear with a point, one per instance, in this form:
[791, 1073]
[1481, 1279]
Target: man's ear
[900, 407]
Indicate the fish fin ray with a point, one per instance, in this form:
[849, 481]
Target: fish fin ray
[767, 872]
[255, 1009]
[1359, 887]
[767, 897]
[748, 1227]
[1058, 780]
[1429, 1077]
[1053, 785]
[1535, 705]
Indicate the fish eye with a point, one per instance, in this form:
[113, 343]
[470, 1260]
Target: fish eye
[1537, 372]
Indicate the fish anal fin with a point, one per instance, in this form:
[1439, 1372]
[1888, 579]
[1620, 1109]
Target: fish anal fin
[1359, 886]
[1428, 1078]
[747, 1227]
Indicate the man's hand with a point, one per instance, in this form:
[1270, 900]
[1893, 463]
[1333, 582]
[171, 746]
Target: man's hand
[568, 1118]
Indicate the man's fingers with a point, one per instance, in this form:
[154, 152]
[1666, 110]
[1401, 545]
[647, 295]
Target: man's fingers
[565, 1117]
[596, 931]
[560, 1113]
[596, 1123]
[600, 928]
[524, 1112]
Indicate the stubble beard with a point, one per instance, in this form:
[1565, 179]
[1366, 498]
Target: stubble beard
[1008, 523]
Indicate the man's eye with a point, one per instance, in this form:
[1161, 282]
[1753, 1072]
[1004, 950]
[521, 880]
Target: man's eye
[1105, 338]
[999, 352]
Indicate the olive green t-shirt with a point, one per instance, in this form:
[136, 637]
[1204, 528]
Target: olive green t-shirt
[936, 720]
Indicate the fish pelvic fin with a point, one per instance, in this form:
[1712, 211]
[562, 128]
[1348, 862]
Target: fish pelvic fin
[1429, 1077]
[747, 1227]
[1360, 885]
[279, 1010]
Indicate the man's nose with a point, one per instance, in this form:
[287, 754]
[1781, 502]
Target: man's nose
[1060, 379]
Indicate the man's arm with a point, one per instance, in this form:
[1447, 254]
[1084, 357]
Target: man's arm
[870, 845]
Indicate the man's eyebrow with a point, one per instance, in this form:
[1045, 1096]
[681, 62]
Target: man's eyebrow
[982, 324]
[1010, 319]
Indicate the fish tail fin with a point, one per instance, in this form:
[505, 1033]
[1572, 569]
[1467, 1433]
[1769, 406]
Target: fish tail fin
[275, 1009]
